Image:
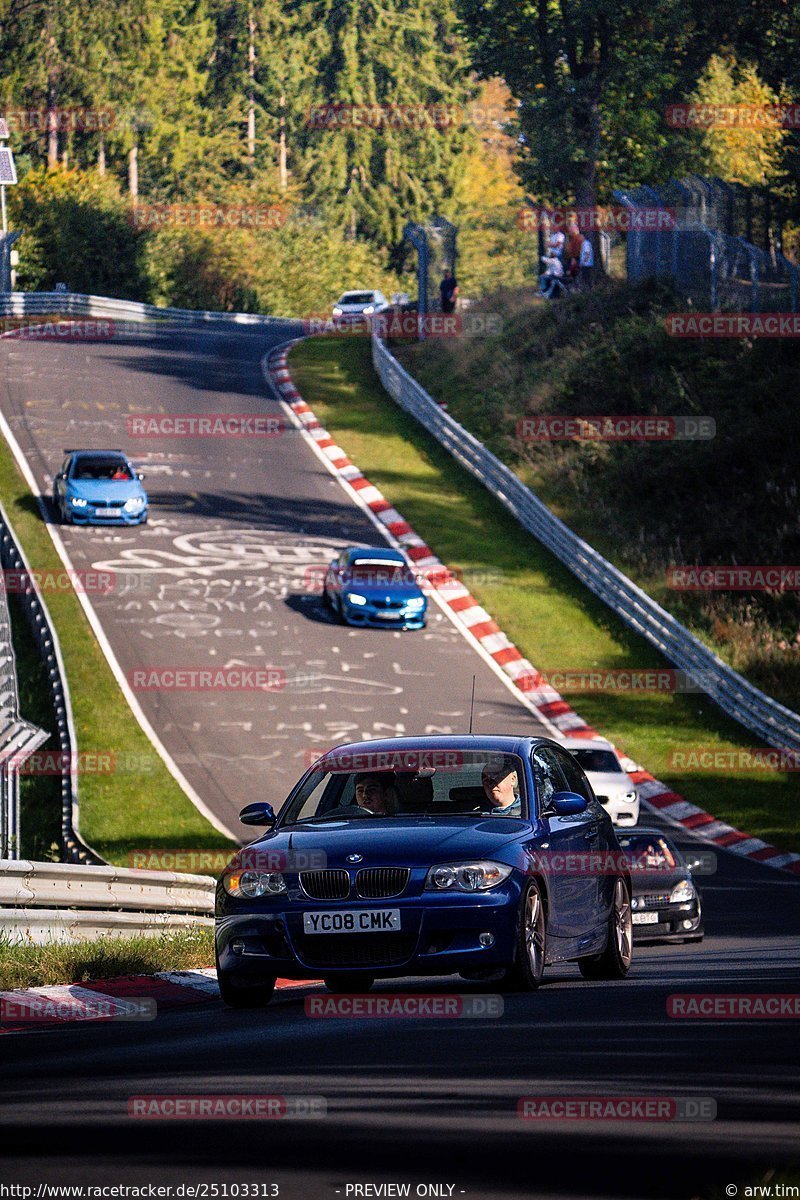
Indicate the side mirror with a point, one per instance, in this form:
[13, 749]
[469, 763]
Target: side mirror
[140, 474]
[693, 863]
[259, 813]
[568, 804]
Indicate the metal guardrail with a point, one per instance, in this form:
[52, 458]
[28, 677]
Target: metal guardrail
[757, 712]
[69, 304]
[12, 558]
[18, 737]
[43, 902]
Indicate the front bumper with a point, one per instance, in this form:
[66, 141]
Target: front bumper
[437, 937]
[383, 618]
[89, 516]
[674, 923]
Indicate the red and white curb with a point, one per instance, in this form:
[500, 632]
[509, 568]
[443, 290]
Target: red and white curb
[127, 998]
[478, 623]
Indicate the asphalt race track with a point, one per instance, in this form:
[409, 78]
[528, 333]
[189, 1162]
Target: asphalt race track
[224, 573]
[416, 1101]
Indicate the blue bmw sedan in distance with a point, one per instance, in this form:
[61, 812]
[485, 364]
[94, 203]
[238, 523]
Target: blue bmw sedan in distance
[99, 487]
[487, 857]
[376, 587]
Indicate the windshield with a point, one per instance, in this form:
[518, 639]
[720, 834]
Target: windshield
[602, 762]
[651, 851]
[437, 784]
[357, 298]
[102, 468]
[377, 573]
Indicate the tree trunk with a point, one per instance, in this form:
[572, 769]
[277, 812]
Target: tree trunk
[101, 157]
[133, 171]
[251, 100]
[52, 124]
[282, 172]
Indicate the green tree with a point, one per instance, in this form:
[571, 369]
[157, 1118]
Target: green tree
[741, 153]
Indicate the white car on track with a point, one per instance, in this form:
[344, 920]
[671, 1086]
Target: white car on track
[611, 783]
[360, 304]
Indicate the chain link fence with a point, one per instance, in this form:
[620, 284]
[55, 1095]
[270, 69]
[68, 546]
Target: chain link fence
[703, 245]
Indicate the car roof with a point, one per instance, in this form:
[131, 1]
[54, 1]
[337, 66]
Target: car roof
[384, 553]
[477, 742]
[96, 451]
[598, 743]
[358, 292]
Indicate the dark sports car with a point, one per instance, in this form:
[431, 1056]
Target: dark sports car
[426, 856]
[666, 903]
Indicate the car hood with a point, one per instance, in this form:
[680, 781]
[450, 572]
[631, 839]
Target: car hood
[609, 783]
[657, 881]
[105, 489]
[406, 841]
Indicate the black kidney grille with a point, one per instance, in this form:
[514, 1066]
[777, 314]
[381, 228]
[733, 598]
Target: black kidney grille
[355, 950]
[375, 883]
[325, 885]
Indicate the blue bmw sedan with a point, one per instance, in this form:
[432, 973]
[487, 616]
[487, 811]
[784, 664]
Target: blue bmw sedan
[487, 857]
[376, 587]
[99, 487]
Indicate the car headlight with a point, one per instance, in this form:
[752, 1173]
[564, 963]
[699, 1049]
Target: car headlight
[631, 796]
[354, 598]
[78, 501]
[369, 309]
[252, 884]
[682, 892]
[337, 312]
[134, 504]
[466, 877]
[416, 602]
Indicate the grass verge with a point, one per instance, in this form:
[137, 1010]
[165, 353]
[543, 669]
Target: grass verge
[556, 622]
[25, 965]
[120, 810]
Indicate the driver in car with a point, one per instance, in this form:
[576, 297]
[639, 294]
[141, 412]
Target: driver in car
[501, 787]
[374, 795]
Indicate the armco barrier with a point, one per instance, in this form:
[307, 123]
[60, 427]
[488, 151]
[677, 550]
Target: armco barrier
[12, 558]
[776, 725]
[69, 304]
[42, 902]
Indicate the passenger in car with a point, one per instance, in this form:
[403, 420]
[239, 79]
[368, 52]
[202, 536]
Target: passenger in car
[376, 794]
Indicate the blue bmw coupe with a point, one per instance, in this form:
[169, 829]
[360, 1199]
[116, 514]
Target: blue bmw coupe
[99, 487]
[487, 857]
[375, 587]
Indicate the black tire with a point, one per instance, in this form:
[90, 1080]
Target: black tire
[615, 961]
[526, 973]
[61, 516]
[346, 983]
[245, 995]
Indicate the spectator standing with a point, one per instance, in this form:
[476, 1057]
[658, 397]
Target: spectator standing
[553, 273]
[555, 244]
[587, 265]
[448, 291]
[572, 249]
